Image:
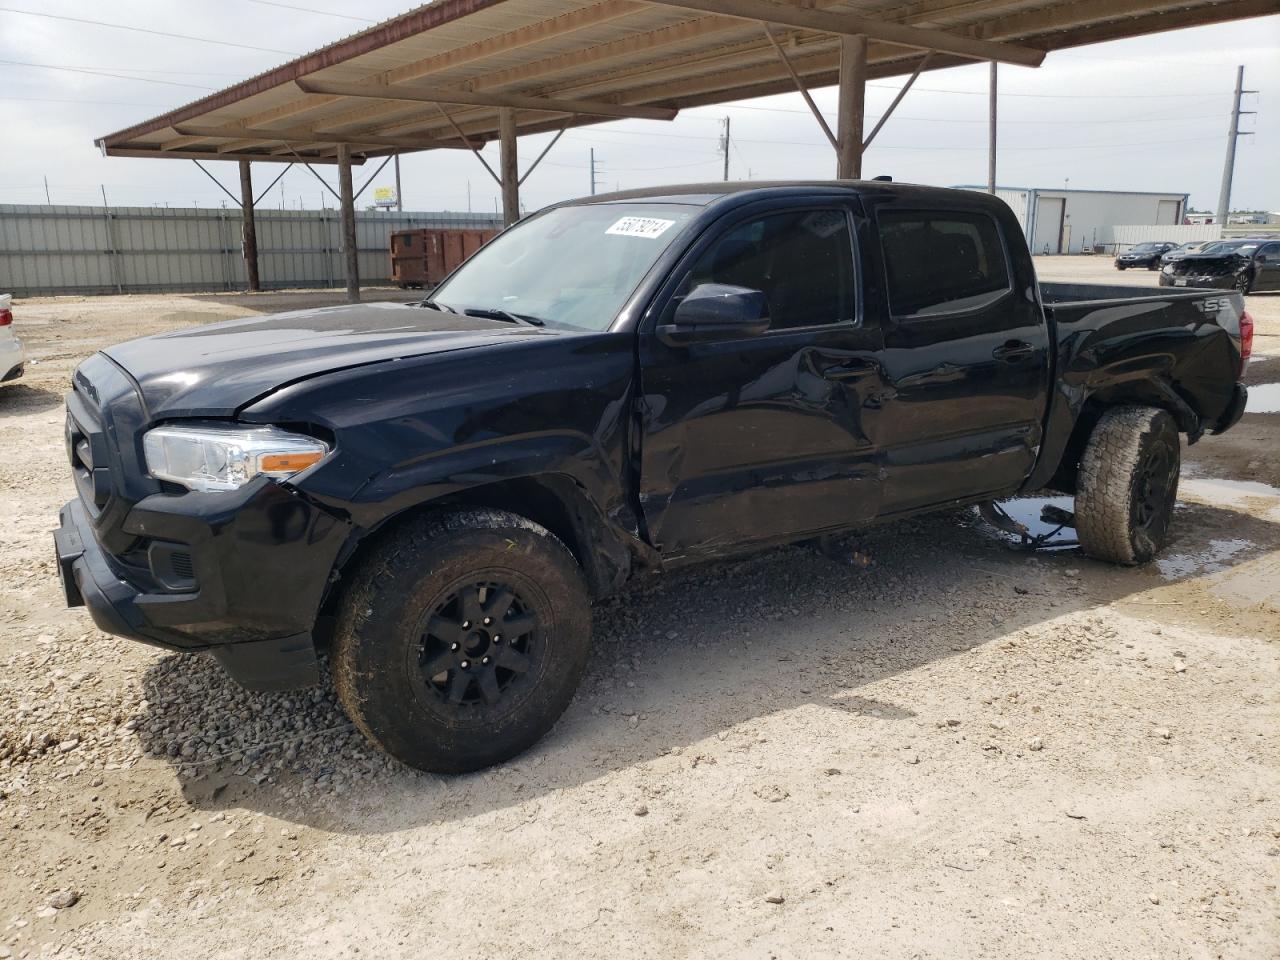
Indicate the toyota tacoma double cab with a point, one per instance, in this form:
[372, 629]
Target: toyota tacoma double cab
[432, 494]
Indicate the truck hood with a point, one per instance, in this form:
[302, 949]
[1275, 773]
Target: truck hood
[214, 370]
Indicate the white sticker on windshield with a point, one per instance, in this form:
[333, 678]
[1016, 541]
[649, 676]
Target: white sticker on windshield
[647, 227]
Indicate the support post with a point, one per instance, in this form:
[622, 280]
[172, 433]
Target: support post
[248, 229]
[853, 95]
[399, 202]
[507, 166]
[991, 133]
[347, 196]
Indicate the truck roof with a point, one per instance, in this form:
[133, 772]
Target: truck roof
[705, 194]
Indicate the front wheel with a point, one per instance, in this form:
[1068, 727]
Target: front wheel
[1244, 283]
[1127, 485]
[462, 639]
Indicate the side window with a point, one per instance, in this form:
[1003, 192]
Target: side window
[941, 262]
[802, 261]
[1271, 251]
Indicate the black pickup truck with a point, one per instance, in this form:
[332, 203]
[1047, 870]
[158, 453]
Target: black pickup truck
[433, 493]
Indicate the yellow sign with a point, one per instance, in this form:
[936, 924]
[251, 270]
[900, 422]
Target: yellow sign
[384, 196]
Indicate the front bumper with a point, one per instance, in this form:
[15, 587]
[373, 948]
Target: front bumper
[260, 561]
[1217, 282]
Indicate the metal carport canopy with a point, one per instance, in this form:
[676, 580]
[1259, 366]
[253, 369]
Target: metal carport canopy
[459, 73]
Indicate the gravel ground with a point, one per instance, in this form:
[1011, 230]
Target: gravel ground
[961, 751]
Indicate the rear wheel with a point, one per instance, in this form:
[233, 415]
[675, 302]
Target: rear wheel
[1127, 485]
[462, 640]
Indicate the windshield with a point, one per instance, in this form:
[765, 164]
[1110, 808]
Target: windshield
[569, 267]
[1230, 247]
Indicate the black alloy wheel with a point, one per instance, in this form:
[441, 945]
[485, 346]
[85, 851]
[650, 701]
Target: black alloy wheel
[1154, 493]
[476, 645]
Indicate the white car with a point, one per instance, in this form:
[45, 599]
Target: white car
[12, 357]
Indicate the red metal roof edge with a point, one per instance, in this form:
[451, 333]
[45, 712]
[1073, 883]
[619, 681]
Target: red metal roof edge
[383, 34]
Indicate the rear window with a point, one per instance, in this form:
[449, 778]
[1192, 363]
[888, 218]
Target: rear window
[941, 262]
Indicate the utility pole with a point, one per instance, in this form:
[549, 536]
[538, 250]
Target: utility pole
[724, 146]
[46, 192]
[1228, 170]
[991, 133]
[399, 202]
[594, 180]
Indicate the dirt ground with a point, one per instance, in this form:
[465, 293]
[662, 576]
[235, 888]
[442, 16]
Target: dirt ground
[961, 752]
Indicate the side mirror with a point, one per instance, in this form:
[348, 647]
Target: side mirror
[716, 311]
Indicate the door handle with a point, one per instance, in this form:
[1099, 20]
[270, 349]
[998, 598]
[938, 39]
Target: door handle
[1012, 351]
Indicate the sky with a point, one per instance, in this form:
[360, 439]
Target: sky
[1144, 114]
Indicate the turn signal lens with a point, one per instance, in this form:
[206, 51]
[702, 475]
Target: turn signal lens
[286, 463]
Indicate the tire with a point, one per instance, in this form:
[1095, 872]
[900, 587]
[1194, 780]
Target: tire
[1154, 265]
[430, 685]
[1244, 283]
[1121, 268]
[1127, 485]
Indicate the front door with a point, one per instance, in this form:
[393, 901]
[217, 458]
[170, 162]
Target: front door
[966, 358]
[765, 437]
[1267, 267]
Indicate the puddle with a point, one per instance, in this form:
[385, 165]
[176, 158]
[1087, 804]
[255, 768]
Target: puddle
[1212, 559]
[1264, 398]
[1026, 510]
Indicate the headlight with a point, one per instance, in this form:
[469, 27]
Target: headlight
[1168, 268]
[224, 458]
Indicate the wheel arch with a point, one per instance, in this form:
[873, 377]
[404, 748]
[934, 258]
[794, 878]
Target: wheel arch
[606, 554]
[1144, 392]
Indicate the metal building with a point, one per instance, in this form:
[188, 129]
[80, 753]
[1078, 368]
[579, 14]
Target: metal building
[1056, 220]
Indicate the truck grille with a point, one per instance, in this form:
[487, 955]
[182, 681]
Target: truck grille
[104, 417]
[88, 452]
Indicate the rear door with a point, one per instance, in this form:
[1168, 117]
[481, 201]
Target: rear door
[766, 437]
[966, 357]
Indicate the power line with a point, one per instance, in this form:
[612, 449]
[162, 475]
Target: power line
[156, 33]
[86, 103]
[1056, 122]
[180, 73]
[323, 13]
[100, 73]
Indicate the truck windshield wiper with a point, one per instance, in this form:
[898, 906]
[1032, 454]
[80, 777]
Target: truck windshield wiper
[437, 305]
[493, 313]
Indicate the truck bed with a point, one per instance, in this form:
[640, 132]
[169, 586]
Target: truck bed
[1099, 294]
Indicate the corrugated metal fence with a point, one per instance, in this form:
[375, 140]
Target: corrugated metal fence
[62, 249]
[1123, 237]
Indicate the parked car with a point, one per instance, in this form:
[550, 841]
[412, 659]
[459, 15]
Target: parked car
[12, 357]
[613, 387]
[1144, 255]
[1247, 265]
[1192, 246]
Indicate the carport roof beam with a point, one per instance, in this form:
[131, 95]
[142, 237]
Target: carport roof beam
[417, 94]
[852, 25]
